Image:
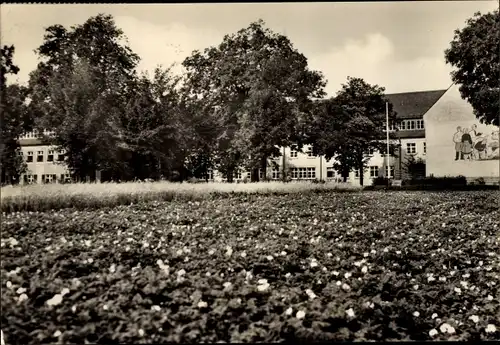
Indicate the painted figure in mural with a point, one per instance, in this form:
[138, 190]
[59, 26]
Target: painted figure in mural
[466, 144]
[494, 145]
[457, 139]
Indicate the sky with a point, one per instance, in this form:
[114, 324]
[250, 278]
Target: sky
[397, 45]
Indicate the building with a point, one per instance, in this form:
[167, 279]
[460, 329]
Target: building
[45, 164]
[458, 143]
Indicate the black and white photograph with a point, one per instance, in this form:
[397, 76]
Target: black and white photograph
[233, 172]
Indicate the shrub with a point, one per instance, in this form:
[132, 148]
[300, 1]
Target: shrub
[380, 181]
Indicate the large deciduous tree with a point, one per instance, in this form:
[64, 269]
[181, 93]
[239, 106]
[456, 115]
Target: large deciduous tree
[257, 87]
[80, 88]
[350, 125]
[474, 52]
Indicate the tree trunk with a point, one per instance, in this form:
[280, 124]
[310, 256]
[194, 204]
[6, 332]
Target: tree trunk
[263, 167]
[361, 173]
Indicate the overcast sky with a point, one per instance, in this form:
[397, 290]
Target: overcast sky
[398, 45]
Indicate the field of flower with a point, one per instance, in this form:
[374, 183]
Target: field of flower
[256, 268]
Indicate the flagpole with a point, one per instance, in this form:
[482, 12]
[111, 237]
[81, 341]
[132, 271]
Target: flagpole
[387, 138]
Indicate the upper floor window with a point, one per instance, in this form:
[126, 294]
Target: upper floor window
[39, 156]
[409, 125]
[310, 152]
[411, 148]
[50, 156]
[373, 171]
[293, 154]
[29, 157]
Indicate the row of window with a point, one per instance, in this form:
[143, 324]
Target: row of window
[36, 134]
[407, 125]
[411, 148]
[40, 156]
[46, 178]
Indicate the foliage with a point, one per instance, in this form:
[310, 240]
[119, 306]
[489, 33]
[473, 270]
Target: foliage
[14, 120]
[350, 125]
[253, 268]
[474, 53]
[447, 182]
[414, 167]
[80, 88]
[258, 89]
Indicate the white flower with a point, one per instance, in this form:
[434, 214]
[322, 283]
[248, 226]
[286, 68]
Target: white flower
[467, 275]
[202, 304]
[366, 254]
[23, 297]
[350, 312]
[329, 255]
[105, 307]
[289, 311]
[416, 314]
[434, 316]
[347, 275]
[314, 264]
[229, 251]
[339, 283]
[112, 269]
[446, 328]
[243, 254]
[211, 251]
[73, 309]
[155, 308]
[300, 314]
[490, 298]
[181, 272]
[57, 334]
[457, 290]
[141, 332]
[474, 318]
[90, 260]
[21, 290]
[335, 273]
[490, 328]
[398, 252]
[226, 285]
[346, 287]
[364, 269]
[88, 243]
[269, 257]
[415, 287]
[311, 294]
[56, 300]
[283, 253]
[288, 275]
[433, 332]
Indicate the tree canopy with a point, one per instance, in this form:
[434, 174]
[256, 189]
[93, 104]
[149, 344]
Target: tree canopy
[258, 88]
[474, 53]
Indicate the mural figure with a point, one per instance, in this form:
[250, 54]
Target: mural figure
[457, 139]
[473, 145]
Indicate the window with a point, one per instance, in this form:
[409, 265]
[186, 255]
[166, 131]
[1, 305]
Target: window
[402, 125]
[293, 154]
[276, 173]
[249, 175]
[65, 178]
[425, 147]
[310, 152]
[389, 171]
[49, 178]
[29, 158]
[50, 156]
[62, 153]
[303, 173]
[39, 156]
[420, 124]
[371, 152]
[411, 124]
[237, 175]
[330, 172]
[261, 175]
[373, 171]
[356, 173]
[411, 148]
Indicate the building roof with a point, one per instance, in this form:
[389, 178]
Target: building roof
[413, 105]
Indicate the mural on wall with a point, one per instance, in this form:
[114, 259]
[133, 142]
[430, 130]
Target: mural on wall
[472, 144]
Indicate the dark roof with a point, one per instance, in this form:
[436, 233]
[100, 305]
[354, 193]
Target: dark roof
[420, 133]
[413, 105]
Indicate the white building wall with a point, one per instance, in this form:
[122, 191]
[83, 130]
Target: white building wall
[442, 122]
[45, 167]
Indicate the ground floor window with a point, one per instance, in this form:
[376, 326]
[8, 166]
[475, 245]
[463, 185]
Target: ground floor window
[373, 171]
[65, 178]
[275, 174]
[330, 172]
[304, 173]
[30, 179]
[49, 178]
